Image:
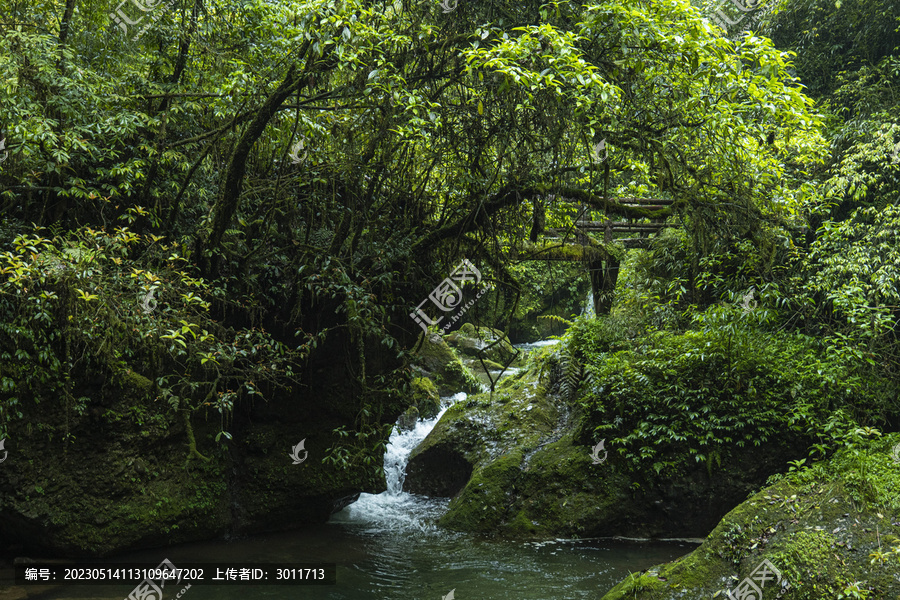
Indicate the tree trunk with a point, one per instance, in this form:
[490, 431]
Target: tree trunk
[229, 199]
[604, 274]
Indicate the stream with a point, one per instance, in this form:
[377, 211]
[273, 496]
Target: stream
[387, 546]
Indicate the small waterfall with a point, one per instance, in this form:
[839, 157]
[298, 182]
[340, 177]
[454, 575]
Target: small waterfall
[589, 305]
[400, 446]
[395, 509]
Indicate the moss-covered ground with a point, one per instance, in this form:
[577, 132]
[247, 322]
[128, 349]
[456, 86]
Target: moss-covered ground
[832, 531]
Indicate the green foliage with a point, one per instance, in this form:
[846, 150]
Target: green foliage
[556, 319]
[834, 39]
[545, 282]
[585, 339]
[361, 449]
[863, 460]
[653, 284]
[703, 393]
[855, 590]
[424, 137]
[458, 372]
[573, 372]
[855, 266]
[78, 303]
[590, 337]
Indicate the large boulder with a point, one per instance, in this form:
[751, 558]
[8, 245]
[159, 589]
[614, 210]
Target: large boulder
[114, 468]
[438, 362]
[831, 531]
[425, 397]
[426, 403]
[521, 463]
[482, 343]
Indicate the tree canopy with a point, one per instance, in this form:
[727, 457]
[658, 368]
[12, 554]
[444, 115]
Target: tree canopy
[321, 163]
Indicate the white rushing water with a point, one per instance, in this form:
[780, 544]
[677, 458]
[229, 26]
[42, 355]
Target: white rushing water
[395, 509]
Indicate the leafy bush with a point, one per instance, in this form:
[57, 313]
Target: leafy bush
[79, 303]
[702, 393]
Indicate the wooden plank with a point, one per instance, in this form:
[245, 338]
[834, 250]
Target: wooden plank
[565, 256]
[643, 201]
[614, 224]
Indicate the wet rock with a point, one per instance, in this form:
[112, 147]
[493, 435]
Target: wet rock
[527, 453]
[812, 528]
[407, 420]
[442, 464]
[425, 398]
[127, 478]
[438, 362]
[483, 342]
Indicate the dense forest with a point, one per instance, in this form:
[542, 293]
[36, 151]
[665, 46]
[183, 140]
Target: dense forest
[220, 221]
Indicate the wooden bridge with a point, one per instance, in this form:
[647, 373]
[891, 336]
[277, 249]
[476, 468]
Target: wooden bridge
[610, 228]
[574, 244]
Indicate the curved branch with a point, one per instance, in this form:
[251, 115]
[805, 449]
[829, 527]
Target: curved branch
[229, 199]
[475, 219]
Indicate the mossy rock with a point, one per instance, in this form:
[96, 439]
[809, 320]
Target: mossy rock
[489, 373]
[442, 464]
[464, 437]
[483, 342]
[476, 365]
[456, 377]
[507, 495]
[425, 398]
[437, 361]
[125, 478]
[433, 353]
[408, 419]
[528, 453]
[827, 530]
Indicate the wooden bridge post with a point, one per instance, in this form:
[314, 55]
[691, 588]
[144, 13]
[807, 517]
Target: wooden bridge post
[604, 274]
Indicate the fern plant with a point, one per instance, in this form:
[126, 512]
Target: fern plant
[574, 371]
[557, 319]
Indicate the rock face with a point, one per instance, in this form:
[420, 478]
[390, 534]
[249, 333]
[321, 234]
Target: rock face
[437, 361]
[425, 403]
[520, 463]
[485, 343]
[125, 476]
[828, 532]
[425, 397]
